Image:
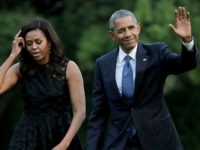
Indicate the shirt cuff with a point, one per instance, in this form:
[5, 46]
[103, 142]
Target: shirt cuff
[189, 45]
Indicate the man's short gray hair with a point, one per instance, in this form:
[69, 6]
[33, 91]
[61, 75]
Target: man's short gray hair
[119, 14]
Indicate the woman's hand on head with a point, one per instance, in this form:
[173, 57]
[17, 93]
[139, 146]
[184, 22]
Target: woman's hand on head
[17, 45]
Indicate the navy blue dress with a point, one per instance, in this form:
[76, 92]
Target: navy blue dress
[46, 118]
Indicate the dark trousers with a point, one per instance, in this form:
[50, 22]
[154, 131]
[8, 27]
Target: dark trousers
[134, 144]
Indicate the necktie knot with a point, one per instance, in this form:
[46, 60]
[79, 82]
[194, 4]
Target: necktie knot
[127, 58]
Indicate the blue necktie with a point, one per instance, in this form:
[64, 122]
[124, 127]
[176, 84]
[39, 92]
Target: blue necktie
[127, 79]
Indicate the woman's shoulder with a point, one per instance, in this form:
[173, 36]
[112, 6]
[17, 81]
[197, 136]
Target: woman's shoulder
[72, 69]
[68, 63]
[65, 60]
[16, 68]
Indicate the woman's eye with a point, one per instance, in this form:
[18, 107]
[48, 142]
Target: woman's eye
[39, 42]
[28, 44]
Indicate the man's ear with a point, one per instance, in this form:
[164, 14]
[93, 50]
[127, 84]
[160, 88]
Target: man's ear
[139, 26]
[111, 33]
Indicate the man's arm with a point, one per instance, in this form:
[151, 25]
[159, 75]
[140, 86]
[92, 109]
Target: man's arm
[97, 122]
[188, 59]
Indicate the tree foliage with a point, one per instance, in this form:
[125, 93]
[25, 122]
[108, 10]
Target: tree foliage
[83, 29]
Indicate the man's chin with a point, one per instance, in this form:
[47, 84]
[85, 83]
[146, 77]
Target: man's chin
[129, 47]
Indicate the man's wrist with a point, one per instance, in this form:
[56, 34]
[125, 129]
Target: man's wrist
[189, 45]
[187, 39]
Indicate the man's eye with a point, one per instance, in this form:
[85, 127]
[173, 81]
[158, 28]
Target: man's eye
[120, 31]
[132, 27]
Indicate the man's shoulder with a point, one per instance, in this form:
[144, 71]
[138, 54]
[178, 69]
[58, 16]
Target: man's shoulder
[108, 55]
[154, 45]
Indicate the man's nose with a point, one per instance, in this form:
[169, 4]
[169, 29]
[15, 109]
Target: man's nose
[127, 33]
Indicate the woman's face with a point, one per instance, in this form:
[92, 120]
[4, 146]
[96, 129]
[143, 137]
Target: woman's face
[38, 46]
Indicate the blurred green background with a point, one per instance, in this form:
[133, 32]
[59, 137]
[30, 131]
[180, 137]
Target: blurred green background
[83, 29]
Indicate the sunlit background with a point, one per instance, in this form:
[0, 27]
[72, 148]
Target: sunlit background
[83, 28]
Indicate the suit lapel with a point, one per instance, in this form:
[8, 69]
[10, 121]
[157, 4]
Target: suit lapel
[111, 73]
[142, 59]
[111, 76]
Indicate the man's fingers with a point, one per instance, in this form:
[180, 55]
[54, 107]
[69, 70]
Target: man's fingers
[182, 14]
[172, 27]
[188, 15]
[176, 14]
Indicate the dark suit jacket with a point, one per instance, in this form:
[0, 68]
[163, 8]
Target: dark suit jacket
[112, 117]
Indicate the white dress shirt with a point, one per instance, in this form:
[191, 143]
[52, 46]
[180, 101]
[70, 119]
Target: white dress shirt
[189, 45]
[120, 64]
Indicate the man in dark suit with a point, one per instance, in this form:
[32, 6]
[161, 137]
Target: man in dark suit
[133, 115]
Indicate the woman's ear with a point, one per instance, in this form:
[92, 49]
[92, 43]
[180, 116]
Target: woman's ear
[49, 45]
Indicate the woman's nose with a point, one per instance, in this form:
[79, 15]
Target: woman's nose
[34, 46]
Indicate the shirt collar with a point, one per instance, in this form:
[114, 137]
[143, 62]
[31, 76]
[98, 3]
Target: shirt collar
[122, 54]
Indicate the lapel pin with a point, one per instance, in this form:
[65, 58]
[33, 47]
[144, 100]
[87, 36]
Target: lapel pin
[144, 59]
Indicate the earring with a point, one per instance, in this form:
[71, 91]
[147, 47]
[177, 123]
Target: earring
[49, 49]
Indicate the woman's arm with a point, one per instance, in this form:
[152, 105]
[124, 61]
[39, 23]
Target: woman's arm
[77, 95]
[9, 74]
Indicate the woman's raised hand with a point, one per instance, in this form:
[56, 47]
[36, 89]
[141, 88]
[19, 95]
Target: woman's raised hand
[17, 45]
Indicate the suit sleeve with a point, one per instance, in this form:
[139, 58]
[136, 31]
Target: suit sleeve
[173, 63]
[98, 117]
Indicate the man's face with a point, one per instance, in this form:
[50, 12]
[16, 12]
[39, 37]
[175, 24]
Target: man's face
[126, 32]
